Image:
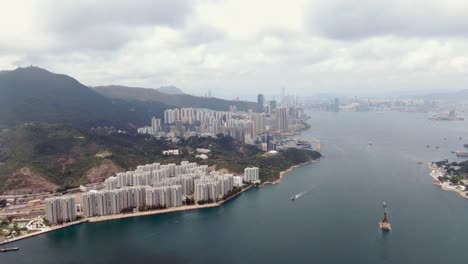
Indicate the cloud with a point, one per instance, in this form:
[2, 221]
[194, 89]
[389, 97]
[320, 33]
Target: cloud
[242, 46]
[350, 20]
[46, 25]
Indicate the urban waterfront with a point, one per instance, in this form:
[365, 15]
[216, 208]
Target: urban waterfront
[335, 221]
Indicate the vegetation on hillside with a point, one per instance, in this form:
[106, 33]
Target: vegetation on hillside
[64, 154]
[35, 95]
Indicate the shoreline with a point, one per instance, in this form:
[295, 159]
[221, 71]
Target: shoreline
[283, 173]
[97, 219]
[51, 229]
[434, 170]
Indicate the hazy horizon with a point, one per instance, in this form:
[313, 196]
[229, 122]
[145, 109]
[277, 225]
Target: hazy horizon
[308, 47]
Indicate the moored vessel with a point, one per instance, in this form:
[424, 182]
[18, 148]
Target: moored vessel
[2, 250]
[461, 153]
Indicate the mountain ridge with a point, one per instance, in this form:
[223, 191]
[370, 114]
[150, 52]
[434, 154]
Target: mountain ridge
[170, 90]
[178, 100]
[34, 94]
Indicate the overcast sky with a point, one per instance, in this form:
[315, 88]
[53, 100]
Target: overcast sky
[243, 46]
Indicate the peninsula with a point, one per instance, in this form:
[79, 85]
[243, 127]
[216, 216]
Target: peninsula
[111, 152]
[451, 176]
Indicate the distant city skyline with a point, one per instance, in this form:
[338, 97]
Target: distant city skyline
[203, 45]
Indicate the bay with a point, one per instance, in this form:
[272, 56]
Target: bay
[335, 221]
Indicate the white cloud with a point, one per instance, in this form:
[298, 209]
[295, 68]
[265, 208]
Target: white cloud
[239, 46]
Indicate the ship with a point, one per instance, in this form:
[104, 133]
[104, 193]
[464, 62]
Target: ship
[295, 197]
[384, 225]
[2, 250]
[461, 153]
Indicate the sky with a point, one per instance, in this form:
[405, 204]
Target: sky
[244, 47]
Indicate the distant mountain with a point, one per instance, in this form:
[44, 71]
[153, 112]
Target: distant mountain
[170, 90]
[179, 100]
[36, 95]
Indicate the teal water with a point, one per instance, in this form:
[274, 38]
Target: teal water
[335, 221]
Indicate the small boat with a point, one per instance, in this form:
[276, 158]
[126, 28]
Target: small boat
[2, 250]
[428, 146]
[370, 143]
[461, 153]
[296, 196]
[437, 147]
[384, 225]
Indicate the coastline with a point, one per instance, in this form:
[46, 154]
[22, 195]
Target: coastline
[11, 240]
[283, 173]
[104, 218]
[434, 171]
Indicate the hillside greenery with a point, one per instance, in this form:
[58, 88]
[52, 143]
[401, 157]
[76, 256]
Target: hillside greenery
[33, 94]
[64, 154]
[36, 95]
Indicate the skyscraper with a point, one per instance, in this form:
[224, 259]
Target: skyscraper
[60, 209]
[337, 105]
[155, 125]
[260, 103]
[273, 104]
[282, 119]
[251, 174]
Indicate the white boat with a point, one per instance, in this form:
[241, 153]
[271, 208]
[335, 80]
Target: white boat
[296, 196]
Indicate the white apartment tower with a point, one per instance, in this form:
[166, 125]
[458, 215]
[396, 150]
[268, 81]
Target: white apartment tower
[282, 119]
[60, 209]
[251, 174]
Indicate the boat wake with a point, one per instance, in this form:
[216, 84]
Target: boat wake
[297, 196]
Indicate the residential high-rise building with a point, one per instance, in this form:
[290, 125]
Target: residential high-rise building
[260, 103]
[282, 119]
[155, 125]
[336, 105]
[251, 174]
[259, 122]
[60, 209]
[272, 105]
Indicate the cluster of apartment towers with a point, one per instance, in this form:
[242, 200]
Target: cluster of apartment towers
[150, 186]
[243, 126]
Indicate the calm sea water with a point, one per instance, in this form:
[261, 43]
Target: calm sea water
[336, 221]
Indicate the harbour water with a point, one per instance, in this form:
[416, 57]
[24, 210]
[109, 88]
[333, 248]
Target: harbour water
[334, 221]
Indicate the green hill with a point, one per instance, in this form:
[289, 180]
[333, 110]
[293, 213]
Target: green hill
[178, 100]
[42, 156]
[36, 95]
[63, 155]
